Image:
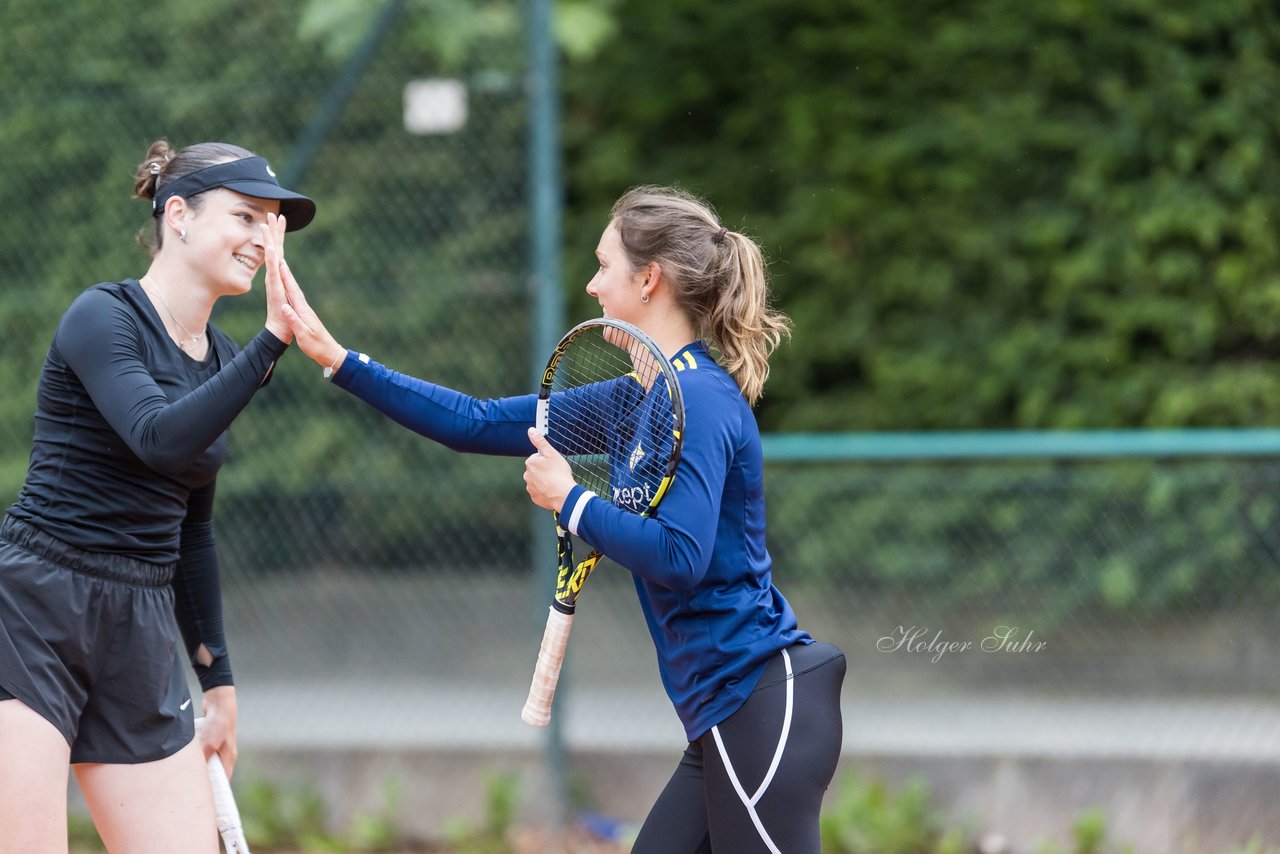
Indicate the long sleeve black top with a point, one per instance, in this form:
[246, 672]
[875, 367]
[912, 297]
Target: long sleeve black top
[129, 435]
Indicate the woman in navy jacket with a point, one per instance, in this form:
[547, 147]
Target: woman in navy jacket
[758, 697]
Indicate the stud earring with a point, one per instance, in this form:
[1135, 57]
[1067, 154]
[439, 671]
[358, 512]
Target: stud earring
[182, 235]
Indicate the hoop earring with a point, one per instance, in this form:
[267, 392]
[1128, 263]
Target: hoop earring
[182, 235]
[644, 299]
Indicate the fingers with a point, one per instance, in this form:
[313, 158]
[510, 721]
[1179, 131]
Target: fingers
[272, 264]
[296, 301]
[273, 231]
[286, 298]
[278, 268]
[269, 244]
[547, 475]
[273, 234]
[280, 276]
[296, 323]
[293, 290]
[202, 737]
[531, 479]
[540, 442]
[312, 337]
[274, 257]
[216, 736]
[227, 754]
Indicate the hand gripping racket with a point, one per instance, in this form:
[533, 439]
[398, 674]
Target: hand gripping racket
[224, 805]
[610, 402]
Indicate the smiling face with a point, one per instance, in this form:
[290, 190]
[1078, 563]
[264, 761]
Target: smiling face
[224, 239]
[616, 285]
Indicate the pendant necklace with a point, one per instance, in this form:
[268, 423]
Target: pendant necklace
[154, 291]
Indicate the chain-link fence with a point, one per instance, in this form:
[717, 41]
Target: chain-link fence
[379, 588]
[1118, 579]
[1115, 578]
[349, 546]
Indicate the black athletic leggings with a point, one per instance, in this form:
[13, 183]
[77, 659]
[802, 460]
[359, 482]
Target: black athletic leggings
[755, 782]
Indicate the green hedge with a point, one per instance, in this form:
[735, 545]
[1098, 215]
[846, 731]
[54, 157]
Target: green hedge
[987, 215]
[993, 214]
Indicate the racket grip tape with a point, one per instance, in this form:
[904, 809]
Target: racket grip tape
[555, 640]
[224, 804]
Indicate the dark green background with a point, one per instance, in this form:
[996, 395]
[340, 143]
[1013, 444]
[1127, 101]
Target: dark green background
[980, 215]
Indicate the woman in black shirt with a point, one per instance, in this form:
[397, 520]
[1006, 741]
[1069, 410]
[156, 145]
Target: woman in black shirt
[112, 532]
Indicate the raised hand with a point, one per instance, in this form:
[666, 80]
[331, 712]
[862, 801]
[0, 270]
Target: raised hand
[273, 238]
[308, 330]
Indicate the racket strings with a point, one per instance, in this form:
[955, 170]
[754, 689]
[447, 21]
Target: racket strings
[596, 391]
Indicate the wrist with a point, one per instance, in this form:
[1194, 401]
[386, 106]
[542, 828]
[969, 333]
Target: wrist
[570, 513]
[283, 334]
[334, 365]
[563, 498]
[222, 697]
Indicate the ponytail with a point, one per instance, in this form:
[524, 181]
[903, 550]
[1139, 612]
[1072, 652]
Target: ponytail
[717, 276]
[741, 325]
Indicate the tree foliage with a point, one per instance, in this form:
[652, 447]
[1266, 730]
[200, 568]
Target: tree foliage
[982, 215]
[416, 254]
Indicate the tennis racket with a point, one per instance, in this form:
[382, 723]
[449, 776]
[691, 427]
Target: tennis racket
[224, 805]
[609, 401]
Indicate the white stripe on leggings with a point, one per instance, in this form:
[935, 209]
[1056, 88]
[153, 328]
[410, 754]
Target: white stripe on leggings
[750, 803]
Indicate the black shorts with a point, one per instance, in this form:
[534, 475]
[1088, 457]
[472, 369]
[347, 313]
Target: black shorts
[754, 783]
[89, 642]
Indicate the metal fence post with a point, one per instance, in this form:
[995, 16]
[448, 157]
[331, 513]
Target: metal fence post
[548, 304]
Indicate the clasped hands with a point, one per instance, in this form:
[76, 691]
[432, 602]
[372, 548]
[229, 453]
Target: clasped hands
[547, 475]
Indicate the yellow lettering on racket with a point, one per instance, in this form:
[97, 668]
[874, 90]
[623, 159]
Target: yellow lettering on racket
[555, 360]
[562, 581]
[581, 573]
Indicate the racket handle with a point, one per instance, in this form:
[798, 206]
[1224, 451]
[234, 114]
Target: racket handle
[555, 639]
[224, 804]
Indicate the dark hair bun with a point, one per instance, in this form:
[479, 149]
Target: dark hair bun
[149, 170]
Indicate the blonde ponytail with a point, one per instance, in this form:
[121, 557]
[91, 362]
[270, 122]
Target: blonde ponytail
[741, 325]
[718, 277]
